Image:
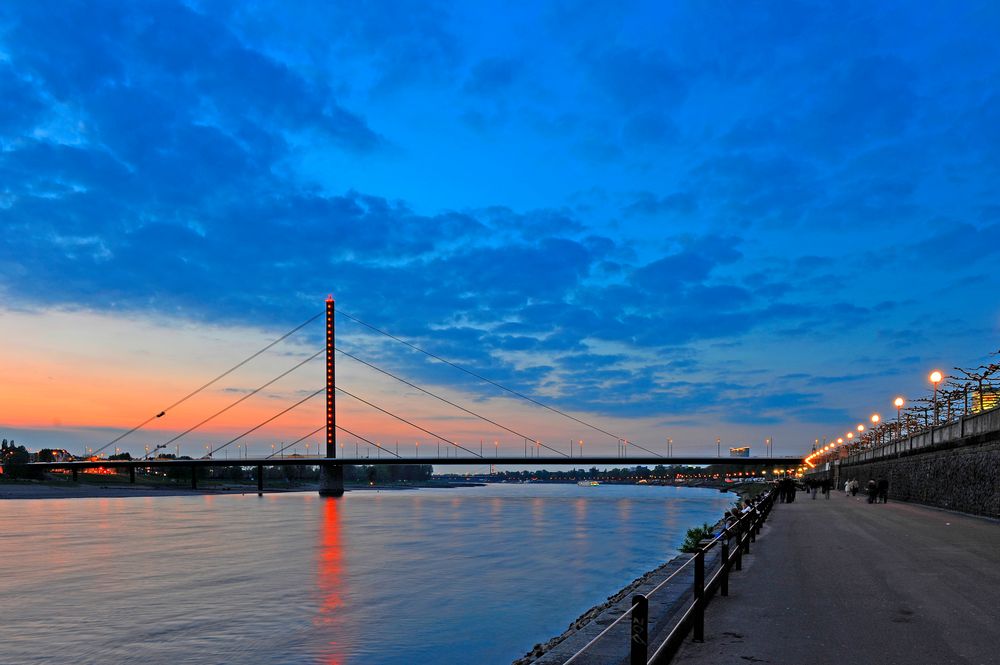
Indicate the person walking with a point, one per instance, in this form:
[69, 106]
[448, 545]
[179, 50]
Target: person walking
[883, 490]
[814, 486]
[872, 491]
[855, 486]
[826, 484]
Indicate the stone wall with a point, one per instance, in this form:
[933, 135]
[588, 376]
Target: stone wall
[962, 475]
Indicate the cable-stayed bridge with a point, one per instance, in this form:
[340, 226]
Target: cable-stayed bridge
[331, 465]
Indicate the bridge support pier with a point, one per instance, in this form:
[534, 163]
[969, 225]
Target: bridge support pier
[131, 474]
[260, 480]
[76, 475]
[331, 480]
[194, 477]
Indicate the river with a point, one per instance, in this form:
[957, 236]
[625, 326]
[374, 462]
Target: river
[469, 575]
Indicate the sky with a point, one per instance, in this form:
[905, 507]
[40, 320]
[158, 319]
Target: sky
[687, 220]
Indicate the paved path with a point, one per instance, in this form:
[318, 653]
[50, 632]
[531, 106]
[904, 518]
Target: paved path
[842, 582]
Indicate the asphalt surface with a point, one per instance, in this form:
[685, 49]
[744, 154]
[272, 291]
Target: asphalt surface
[843, 582]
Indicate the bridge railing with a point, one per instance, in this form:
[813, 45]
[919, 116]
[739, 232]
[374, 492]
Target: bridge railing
[678, 615]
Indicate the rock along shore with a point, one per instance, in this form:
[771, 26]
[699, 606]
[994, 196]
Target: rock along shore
[612, 647]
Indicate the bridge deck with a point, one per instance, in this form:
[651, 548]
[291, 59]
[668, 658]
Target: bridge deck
[538, 462]
[840, 581]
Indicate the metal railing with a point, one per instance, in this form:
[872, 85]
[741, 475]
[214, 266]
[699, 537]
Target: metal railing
[733, 542]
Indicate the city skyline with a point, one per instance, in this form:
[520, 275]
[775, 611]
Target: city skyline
[770, 230]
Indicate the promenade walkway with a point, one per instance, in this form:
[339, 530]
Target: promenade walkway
[842, 582]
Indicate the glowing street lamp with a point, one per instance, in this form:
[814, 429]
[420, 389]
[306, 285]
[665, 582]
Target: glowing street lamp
[935, 378]
[899, 402]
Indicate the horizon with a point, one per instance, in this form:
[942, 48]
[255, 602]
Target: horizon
[678, 222]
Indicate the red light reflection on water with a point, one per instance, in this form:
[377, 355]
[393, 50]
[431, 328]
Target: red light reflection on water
[330, 582]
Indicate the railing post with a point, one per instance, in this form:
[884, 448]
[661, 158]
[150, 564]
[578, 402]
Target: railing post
[699, 596]
[260, 480]
[739, 545]
[725, 564]
[638, 652]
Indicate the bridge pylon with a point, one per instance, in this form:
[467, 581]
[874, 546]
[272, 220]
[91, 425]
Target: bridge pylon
[331, 476]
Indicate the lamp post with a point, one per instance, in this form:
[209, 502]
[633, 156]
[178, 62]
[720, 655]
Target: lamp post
[935, 378]
[718, 446]
[875, 419]
[670, 447]
[899, 401]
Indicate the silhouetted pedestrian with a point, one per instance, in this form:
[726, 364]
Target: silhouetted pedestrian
[826, 484]
[883, 490]
[855, 486]
[872, 490]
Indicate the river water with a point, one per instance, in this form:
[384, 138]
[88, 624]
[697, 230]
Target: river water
[470, 575]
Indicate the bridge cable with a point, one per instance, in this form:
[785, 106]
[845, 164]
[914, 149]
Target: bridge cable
[274, 417]
[245, 397]
[490, 381]
[296, 441]
[321, 428]
[358, 436]
[411, 424]
[446, 401]
[232, 369]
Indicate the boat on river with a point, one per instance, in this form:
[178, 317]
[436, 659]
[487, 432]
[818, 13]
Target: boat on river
[588, 483]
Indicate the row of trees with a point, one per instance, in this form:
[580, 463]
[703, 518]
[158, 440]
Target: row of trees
[14, 459]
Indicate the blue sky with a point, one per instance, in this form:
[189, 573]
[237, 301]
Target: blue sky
[762, 219]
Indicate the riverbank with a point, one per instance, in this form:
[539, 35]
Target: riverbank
[588, 625]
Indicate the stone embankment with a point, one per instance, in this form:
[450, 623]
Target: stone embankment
[955, 466]
[663, 606]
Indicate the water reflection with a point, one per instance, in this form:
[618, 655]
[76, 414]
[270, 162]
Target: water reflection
[330, 582]
[398, 578]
